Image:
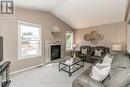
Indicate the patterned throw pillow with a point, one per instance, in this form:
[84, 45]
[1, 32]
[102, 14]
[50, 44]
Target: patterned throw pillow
[84, 51]
[98, 53]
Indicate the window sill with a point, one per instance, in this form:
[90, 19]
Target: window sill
[29, 57]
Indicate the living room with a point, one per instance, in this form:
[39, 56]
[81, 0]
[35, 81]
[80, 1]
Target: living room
[37, 38]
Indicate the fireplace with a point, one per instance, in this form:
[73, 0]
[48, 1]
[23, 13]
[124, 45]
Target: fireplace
[55, 52]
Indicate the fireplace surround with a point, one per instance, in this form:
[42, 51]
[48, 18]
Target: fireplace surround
[52, 43]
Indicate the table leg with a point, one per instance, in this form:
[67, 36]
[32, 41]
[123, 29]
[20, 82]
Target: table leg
[69, 71]
[70, 74]
[83, 63]
[59, 67]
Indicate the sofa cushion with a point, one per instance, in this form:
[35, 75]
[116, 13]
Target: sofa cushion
[95, 57]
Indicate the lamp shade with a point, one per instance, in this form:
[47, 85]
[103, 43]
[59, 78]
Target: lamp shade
[55, 29]
[116, 47]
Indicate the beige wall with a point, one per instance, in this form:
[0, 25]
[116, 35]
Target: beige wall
[128, 12]
[9, 30]
[114, 33]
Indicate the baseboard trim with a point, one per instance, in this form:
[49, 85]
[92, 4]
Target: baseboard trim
[25, 69]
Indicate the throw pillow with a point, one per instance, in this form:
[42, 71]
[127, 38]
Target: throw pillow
[101, 70]
[98, 53]
[107, 60]
[84, 51]
[99, 73]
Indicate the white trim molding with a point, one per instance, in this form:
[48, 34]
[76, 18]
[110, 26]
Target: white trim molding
[25, 69]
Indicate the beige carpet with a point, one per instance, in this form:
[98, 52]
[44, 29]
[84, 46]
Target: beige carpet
[46, 76]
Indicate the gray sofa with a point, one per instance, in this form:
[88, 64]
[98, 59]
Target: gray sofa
[119, 75]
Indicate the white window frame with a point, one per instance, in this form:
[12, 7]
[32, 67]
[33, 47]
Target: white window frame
[19, 40]
[72, 40]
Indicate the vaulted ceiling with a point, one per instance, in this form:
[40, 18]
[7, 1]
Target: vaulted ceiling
[80, 13]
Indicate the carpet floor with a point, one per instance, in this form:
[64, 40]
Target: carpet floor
[45, 76]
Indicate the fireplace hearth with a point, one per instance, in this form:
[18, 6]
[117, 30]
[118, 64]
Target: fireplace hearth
[55, 52]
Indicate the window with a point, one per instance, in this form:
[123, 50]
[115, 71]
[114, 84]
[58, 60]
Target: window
[29, 40]
[69, 40]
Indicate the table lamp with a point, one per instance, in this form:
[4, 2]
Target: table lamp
[116, 48]
[74, 50]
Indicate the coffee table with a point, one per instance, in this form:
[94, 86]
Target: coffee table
[71, 68]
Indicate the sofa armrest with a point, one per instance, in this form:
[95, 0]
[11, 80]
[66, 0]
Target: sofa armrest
[86, 81]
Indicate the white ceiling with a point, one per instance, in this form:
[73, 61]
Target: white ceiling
[80, 13]
[43, 5]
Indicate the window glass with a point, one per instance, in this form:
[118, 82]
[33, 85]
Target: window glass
[69, 40]
[29, 40]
